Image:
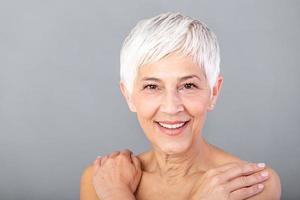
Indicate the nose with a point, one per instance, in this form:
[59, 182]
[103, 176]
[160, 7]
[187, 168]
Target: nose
[171, 103]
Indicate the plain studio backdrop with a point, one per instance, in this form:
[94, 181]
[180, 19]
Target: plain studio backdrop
[60, 104]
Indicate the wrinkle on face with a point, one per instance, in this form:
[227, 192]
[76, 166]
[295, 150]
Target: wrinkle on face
[174, 157]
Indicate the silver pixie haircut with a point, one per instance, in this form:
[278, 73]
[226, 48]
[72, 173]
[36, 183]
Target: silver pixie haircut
[154, 38]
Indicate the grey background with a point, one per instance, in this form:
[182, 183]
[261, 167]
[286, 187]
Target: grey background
[60, 104]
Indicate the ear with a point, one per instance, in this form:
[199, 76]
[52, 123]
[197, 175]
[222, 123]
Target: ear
[215, 92]
[127, 96]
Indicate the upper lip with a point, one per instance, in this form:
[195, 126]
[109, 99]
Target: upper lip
[172, 122]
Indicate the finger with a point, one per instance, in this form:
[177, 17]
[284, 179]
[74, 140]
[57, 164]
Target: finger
[127, 153]
[114, 154]
[247, 192]
[103, 159]
[222, 168]
[246, 181]
[136, 162]
[240, 170]
[96, 164]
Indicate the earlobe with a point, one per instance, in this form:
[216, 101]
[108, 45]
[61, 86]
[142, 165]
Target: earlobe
[132, 108]
[211, 107]
[127, 96]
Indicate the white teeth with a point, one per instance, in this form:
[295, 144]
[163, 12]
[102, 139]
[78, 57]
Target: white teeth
[172, 126]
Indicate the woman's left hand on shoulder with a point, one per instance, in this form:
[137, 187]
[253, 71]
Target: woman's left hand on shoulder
[116, 175]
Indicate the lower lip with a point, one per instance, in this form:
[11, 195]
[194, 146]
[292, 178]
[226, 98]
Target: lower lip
[172, 132]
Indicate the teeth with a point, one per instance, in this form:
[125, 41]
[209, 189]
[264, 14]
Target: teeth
[172, 126]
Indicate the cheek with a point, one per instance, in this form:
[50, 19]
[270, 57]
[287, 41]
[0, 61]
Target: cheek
[145, 107]
[197, 109]
[196, 105]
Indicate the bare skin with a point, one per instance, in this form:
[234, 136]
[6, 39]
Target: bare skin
[174, 90]
[156, 184]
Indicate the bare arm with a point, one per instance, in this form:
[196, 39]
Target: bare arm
[87, 191]
[111, 177]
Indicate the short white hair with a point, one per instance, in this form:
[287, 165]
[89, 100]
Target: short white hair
[154, 38]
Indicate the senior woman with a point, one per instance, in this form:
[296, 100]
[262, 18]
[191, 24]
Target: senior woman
[170, 78]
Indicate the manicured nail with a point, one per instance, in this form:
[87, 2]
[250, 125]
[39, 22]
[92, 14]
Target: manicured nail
[264, 174]
[98, 157]
[260, 186]
[261, 165]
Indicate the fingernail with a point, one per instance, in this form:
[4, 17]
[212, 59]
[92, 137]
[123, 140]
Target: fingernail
[261, 165]
[260, 186]
[98, 157]
[264, 174]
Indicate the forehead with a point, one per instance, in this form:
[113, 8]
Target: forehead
[172, 66]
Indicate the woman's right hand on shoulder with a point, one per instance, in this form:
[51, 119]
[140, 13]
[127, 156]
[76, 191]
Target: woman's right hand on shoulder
[233, 181]
[116, 175]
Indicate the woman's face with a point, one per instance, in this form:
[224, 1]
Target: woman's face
[171, 98]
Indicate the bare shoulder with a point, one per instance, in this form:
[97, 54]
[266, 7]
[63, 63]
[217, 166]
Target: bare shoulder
[87, 191]
[145, 158]
[222, 157]
[272, 186]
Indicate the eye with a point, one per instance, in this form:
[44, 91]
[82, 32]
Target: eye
[190, 86]
[150, 87]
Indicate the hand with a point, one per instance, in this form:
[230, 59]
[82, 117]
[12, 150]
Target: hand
[116, 174]
[232, 181]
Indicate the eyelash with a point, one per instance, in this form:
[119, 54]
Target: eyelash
[149, 86]
[153, 87]
[190, 84]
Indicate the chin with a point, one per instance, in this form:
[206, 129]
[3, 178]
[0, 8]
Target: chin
[174, 147]
[173, 144]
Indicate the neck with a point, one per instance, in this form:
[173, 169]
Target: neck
[173, 168]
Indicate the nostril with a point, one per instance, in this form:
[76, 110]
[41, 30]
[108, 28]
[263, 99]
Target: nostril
[171, 106]
[181, 108]
[171, 109]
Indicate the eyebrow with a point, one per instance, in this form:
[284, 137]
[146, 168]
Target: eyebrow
[180, 79]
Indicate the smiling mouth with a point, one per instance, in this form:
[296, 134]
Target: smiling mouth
[172, 125]
[173, 128]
